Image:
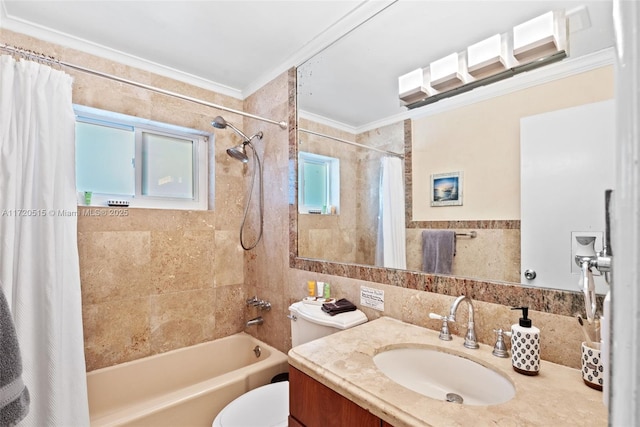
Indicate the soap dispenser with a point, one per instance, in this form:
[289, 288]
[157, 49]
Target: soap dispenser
[525, 345]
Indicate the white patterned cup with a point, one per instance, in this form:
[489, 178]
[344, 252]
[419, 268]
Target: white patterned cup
[591, 365]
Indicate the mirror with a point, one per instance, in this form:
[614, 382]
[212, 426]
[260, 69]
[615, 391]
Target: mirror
[348, 92]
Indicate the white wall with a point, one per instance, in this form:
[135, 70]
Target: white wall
[483, 141]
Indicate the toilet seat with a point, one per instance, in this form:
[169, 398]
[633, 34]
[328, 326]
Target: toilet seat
[266, 406]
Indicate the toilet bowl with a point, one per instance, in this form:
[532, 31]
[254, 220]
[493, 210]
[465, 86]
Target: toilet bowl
[268, 406]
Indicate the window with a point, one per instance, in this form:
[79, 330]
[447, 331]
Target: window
[149, 164]
[318, 184]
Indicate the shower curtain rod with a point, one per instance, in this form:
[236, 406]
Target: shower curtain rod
[40, 57]
[391, 153]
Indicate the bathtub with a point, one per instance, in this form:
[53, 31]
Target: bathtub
[184, 387]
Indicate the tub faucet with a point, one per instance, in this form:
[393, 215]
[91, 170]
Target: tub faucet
[470, 338]
[256, 321]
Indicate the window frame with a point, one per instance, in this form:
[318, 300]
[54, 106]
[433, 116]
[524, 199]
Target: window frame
[203, 167]
[332, 197]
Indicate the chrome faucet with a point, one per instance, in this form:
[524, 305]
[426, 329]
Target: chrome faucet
[470, 338]
[261, 304]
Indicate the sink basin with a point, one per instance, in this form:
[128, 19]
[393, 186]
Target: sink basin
[445, 376]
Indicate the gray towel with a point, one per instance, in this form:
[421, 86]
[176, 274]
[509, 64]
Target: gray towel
[14, 396]
[438, 249]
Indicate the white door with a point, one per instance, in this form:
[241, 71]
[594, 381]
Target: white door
[567, 162]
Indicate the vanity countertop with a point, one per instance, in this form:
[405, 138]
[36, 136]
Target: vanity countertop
[344, 362]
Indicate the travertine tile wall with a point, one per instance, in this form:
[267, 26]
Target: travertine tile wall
[156, 280]
[267, 266]
[493, 254]
[389, 138]
[331, 236]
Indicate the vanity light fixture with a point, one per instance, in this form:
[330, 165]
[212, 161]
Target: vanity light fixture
[445, 73]
[486, 57]
[530, 45]
[412, 86]
[540, 37]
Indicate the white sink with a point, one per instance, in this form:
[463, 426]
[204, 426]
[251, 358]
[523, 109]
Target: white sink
[445, 376]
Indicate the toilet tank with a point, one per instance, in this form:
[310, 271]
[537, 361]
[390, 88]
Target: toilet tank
[309, 322]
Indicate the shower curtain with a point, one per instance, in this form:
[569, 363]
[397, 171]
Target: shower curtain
[39, 268]
[391, 244]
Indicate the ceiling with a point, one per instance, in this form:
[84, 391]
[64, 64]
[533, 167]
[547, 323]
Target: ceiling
[235, 47]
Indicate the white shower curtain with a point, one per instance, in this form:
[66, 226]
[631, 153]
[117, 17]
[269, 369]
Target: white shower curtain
[39, 268]
[391, 245]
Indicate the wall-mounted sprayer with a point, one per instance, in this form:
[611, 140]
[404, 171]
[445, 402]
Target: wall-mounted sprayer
[239, 152]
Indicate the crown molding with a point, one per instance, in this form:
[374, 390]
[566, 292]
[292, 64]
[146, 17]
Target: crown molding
[63, 39]
[315, 118]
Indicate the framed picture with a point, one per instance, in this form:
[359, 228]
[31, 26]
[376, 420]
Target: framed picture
[446, 189]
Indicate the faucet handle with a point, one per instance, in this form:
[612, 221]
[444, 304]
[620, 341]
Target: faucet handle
[500, 348]
[445, 335]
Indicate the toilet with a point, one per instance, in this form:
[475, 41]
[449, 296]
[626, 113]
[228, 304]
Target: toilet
[268, 405]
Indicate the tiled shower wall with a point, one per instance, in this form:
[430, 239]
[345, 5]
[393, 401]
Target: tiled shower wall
[156, 280]
[330, 237]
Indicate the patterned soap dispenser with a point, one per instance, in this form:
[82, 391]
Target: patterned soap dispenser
[525, 345]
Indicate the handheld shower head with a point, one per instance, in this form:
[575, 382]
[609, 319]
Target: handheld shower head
[220, 123]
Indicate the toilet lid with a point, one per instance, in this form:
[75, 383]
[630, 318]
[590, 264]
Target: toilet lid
[266, 406]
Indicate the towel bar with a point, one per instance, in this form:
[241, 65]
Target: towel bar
[470, 234]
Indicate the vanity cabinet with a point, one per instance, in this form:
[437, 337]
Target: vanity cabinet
[312, 404]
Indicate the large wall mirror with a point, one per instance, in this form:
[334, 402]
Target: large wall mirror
[490, 137]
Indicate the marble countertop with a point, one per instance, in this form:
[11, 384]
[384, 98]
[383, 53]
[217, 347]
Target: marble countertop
[344, 362]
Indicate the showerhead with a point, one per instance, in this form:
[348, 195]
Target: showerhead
[239, 153]
[221, 123]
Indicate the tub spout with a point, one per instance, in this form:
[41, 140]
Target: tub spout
[257, 321]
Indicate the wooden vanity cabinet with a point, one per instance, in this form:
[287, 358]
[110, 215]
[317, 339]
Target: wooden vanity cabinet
[312, 404]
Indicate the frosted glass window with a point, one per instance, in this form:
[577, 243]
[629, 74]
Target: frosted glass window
[141, 163]
[104, 159]
[315, 184]
[318, 184]
[167, 166]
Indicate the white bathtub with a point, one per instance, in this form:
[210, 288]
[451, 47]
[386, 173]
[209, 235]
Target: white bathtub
[184, 387]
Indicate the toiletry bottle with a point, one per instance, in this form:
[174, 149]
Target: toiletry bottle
[311, 288]
[327, 291]
[319, 289]
[525, 345]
